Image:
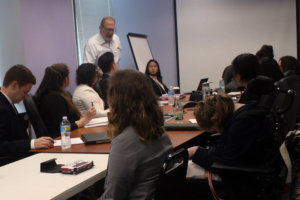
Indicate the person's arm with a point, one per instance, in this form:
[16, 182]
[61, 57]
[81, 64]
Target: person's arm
[118, 50]
[90, 98]
[89, 55]
[43, 143]
[121, 171]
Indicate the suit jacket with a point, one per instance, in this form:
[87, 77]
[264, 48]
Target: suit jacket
[134, 165]
[157, 88]
[14, 140]
[103, 85]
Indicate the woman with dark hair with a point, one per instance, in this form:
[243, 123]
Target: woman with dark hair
[265, 51]
[139, 142]
[153, 72]
[270, 68]
[85, 97]
[238, 143]
[54, 102]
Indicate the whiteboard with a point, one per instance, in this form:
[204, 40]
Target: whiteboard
[140, 50]
[212, 33]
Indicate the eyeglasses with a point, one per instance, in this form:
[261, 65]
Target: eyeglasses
[109, 29]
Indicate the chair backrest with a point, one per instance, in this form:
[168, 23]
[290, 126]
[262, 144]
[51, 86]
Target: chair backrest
[172, 176]
[292, 115]
[34, 117]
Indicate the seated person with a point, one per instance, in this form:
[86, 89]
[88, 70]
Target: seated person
[153, 72]
[291, 80]
[265, 51]
[108, 66]
[246, 67]
[54, 103]
[85, 97]
[242, 140]
[270, 68]
[229, 81]
[14, 139]
[139, 143]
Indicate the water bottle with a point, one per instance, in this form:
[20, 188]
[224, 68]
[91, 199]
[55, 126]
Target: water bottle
[65, 131]
[205, 90]
[222, 86]
[171, 96]
[178, 110]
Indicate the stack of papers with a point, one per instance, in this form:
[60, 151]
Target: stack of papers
[77, 140]
[193, 121]
[100, 121]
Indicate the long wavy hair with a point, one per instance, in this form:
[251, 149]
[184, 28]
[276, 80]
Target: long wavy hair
[214, 112]
[52, 84]
[132, 102]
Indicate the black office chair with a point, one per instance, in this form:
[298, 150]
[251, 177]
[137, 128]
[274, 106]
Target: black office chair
[292, 116]
[172, 176]
[34, 117]
[266, 181]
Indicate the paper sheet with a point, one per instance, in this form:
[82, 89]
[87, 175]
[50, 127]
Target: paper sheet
[100, 121]
[193, 121]
[57, 143]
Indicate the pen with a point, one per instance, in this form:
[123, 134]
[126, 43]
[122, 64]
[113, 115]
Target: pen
[92, 104]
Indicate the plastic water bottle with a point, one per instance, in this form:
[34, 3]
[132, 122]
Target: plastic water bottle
[222, 86]
[65, 131]
[171, 96]
[205, 90]
[178, 110]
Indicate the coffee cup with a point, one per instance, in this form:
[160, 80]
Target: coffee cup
[176, 90]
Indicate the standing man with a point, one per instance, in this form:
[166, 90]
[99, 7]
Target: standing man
[105, 41]
[14, 140]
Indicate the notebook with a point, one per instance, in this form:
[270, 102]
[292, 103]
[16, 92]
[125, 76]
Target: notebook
[95, 138]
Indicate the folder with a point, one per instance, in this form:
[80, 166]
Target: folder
[95, 138]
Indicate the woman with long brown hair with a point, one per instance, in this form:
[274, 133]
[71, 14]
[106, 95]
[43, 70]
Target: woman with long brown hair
[139, 142]
[54, 103]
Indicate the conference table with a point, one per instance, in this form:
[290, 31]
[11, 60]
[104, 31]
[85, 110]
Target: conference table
[179, 138]
[24, 175]
[23, 180]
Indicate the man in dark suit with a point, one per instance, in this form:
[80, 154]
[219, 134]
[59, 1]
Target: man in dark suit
[14, 140]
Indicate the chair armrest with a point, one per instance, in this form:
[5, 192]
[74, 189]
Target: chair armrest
[225, 169]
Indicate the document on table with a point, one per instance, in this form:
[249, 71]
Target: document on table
[57, 143]
[194, 121]
[100, 121]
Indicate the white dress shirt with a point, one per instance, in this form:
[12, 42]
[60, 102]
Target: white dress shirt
[85, 97]
[96, 46]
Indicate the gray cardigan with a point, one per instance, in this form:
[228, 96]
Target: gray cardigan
[134, 166]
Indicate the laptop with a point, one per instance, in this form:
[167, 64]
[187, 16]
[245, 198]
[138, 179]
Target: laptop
[181, 126]
[203, 80]
[95, 138]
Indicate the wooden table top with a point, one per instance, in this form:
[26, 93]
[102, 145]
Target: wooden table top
[178, 137]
